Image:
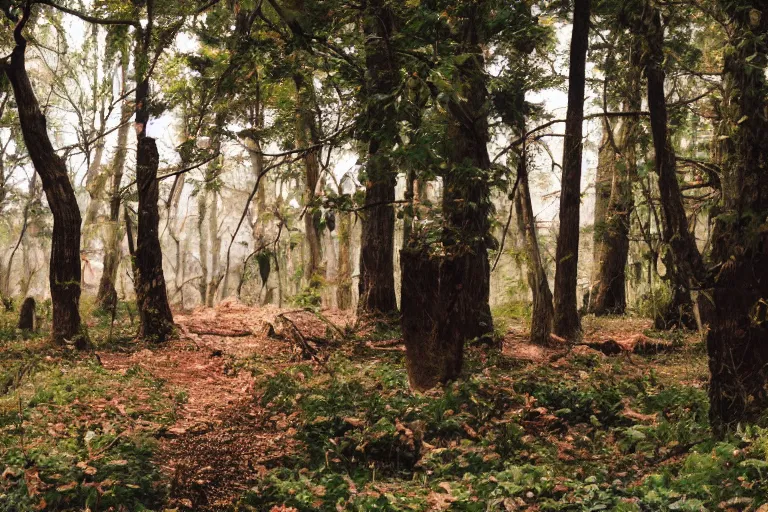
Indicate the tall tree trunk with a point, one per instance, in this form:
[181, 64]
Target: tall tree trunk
[606, 166]
[609, 295]
[307, 135]
[106, 296]
[445, 296]
[95, 178]
[377, 273]
[151, 293]
[567, 323]
[202, 231]
[612, 251]
[213, 230]
[737, 342]
[344, 275]
[65, 273]
[543, 313]
[684, 261]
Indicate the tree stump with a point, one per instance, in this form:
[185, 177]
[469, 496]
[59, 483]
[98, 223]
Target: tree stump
[28, 316]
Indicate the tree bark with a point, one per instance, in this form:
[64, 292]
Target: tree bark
[445, 296]
[543, 313]
[737, 341]
[151, 295]
[612, 247]
[307, 135]
[606, 166]
[683, 261]
[567, 323]
[106, 296]
[434, 341]
[202, 247]
[377, 273]
[344, 277]
[149, 281]
[65, 272]
[215, 237]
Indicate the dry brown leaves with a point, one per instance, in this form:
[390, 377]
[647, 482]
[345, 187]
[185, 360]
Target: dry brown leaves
[222, 440]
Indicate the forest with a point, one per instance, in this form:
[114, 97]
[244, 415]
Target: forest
[393, 255]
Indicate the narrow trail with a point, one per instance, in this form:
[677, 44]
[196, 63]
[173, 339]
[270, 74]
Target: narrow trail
[222, 439]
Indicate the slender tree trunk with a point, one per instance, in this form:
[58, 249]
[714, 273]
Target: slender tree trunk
[65, 272]
[609, 296]
[445, 296]
[610, 292]
[106, 296]
[95, 178]
[737, 342]
[542, 315]
[307, 135]
[344, 277]
[684, 261]
[606, 165]
[567, 323]
[202, 212]
[377, 273]
[213, 230]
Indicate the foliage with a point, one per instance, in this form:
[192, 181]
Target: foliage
[73, 435]
[589, 435]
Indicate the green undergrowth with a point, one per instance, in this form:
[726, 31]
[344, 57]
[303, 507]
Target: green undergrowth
[73, 435]
[590, 434]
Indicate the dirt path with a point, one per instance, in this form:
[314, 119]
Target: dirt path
[221, 440]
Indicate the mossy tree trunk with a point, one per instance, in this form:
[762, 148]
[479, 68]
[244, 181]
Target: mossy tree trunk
[106, 296]
[737, 342]
[612, 236]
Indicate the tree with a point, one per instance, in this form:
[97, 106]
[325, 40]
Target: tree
[542, 312]
[567, 323]
[149, 280]
[618, 161]
[106, 296]
[377, 278]
[737, 342]
[445, 296]
[65, 248]
[683, 260]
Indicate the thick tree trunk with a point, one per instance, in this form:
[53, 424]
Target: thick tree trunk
[434, 340]
[684, 263]
[567, 323]
[737, 342]
[151, 294]
[65, 272]
[435, 328]
[543, 313]
[377, 279]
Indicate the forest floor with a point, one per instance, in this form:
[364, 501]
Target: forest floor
[286, 409]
